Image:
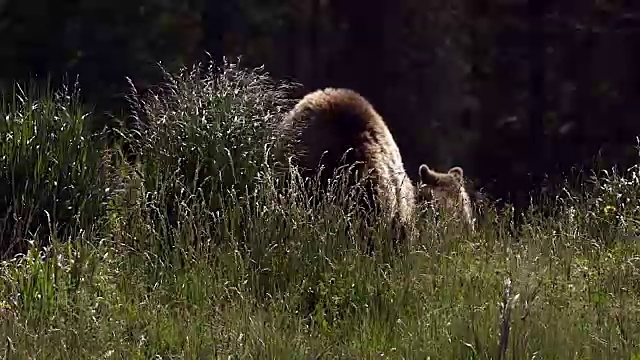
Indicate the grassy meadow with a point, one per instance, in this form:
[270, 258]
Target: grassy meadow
[192, 252]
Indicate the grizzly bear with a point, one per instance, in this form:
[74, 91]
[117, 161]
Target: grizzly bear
[337, 128]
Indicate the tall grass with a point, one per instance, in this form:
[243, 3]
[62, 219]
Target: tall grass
[51, 170]
[201, 257]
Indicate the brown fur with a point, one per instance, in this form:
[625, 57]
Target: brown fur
[327, 123]
[447, 190]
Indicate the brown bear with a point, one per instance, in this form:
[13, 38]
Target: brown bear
[332, 127]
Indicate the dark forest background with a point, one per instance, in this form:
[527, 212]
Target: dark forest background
[511, 90]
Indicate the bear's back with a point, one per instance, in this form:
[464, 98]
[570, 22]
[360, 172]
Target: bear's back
[327, 123]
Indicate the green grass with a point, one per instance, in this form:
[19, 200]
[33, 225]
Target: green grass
[192, 253]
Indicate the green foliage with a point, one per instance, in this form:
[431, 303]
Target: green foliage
[201, 123]
[264, 273]
[52, 173]
[203, 139]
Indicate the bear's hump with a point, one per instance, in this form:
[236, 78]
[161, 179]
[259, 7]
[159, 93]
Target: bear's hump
[342, 108]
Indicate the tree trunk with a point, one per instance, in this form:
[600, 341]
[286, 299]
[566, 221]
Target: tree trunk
[536, 152]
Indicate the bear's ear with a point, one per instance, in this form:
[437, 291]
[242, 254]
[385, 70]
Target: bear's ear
[427, 176]
[457, 173]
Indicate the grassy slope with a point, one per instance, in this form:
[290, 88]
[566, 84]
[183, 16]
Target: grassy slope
[195, 259]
